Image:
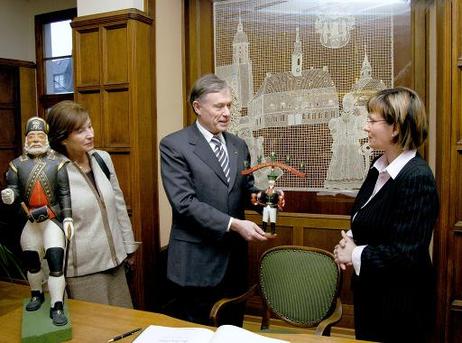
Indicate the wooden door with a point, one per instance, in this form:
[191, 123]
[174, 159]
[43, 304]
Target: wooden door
[448, 236]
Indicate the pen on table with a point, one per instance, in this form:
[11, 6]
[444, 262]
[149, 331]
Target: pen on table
[126, 334]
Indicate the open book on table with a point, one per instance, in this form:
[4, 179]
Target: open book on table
[224, 334]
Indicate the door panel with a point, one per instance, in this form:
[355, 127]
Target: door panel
[10, 142]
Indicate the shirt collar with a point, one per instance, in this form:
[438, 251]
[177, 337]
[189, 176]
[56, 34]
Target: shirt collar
[396, 165]
[207, 134]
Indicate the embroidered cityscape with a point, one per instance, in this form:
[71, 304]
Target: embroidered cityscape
[292, 110]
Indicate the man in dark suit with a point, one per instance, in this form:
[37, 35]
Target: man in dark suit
[201, 172]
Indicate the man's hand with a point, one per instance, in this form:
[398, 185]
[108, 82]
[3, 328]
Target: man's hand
[68, 227]
[258, 199]
[130, 261]
[253, 199]
[248, 230]
[8, 196]
[281, 201]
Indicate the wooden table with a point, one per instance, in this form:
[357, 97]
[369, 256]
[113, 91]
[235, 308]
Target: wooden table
[97, 323]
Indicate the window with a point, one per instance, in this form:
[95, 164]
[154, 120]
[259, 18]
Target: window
[55, 76]
[59, 82]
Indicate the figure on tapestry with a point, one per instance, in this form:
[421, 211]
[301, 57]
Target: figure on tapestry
[257, 156]
[347, 164]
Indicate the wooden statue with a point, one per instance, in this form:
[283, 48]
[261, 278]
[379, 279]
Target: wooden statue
[38, 181]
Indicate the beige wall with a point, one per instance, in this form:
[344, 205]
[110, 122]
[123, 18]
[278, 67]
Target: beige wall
[169, 84]
[17, 32]
[87, 7]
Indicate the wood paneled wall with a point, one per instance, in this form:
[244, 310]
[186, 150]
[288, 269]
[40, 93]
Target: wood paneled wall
[27, 94]
[113, 79]
[198, 45]
[18, 102]
[448, 237]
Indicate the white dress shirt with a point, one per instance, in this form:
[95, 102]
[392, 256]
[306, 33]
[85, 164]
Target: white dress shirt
[208, 137]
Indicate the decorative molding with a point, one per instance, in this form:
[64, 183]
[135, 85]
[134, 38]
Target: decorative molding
[305, 220]
[111, 17]
[17, 63]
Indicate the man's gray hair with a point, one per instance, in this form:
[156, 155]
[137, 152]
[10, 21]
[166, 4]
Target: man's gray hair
[209, 83]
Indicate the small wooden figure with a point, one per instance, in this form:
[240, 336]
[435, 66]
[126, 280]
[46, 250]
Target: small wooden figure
[272, 199]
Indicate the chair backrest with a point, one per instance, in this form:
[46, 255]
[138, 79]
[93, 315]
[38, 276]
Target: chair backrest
[300, 284]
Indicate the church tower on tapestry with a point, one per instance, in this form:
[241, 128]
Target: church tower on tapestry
[297, 55]
[239, 74]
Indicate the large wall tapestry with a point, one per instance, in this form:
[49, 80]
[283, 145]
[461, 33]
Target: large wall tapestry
[301, 73]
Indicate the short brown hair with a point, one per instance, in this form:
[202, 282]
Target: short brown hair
[63, 118]
[402, 107]
[206, 84]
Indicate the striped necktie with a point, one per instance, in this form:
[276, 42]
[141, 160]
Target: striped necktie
[221, 155]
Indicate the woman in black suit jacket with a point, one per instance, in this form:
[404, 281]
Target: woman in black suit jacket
[391, 226]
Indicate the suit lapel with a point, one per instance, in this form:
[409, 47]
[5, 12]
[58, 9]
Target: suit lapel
[204, 152]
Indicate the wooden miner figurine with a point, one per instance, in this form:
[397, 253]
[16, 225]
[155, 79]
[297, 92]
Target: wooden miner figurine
[38, 181]
[271, 199]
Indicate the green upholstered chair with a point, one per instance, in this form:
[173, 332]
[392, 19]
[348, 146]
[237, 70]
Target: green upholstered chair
[299, 285]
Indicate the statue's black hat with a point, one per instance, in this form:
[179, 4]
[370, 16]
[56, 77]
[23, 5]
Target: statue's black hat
[36, 124]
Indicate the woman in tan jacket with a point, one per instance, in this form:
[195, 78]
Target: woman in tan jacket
[103, 239]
